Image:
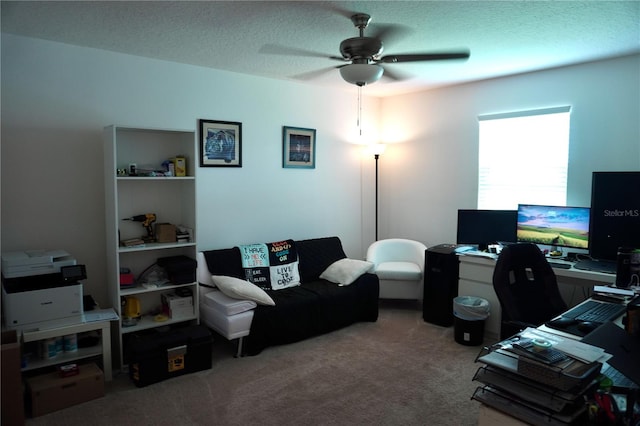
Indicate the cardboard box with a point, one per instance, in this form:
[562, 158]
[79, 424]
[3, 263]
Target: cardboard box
[50, 392]
[177, 306]
[12, 398]
[165, 233]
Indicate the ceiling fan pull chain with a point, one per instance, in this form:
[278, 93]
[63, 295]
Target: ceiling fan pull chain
[359, 120]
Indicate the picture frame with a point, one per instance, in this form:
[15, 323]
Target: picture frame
[220, 143]
[298, 147]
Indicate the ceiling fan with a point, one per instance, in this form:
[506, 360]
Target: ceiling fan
[364, 52]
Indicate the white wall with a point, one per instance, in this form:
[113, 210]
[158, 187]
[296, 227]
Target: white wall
[57, 98]
[432, 171]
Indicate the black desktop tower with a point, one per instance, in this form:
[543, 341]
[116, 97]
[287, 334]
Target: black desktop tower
[440, 284]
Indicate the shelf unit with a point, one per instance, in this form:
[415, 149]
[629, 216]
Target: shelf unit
[172, 199]
[102, 349]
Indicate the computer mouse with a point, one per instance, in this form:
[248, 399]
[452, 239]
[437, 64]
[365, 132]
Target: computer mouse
[587, 326]
[562, 322]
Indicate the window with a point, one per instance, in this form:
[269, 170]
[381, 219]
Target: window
[523, 158]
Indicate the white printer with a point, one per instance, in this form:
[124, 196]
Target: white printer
[41, 289]
[34, 262]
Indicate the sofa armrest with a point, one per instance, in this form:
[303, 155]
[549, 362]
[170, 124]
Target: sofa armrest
[224, 304]
[202, 271]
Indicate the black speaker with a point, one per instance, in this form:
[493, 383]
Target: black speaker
[440, 284]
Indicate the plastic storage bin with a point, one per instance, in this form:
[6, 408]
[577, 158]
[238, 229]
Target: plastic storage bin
[469, 315]
[162, 355]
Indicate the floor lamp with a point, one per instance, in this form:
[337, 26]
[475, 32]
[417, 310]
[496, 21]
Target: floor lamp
[377, 149]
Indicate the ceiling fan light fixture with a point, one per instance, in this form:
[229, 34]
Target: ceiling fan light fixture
[361, 74]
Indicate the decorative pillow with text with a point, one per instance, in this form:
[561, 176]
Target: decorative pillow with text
[271, 266]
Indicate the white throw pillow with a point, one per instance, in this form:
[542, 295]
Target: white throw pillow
[345, 271]
[241, 289]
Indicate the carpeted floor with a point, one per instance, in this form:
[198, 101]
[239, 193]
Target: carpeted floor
[399, 370]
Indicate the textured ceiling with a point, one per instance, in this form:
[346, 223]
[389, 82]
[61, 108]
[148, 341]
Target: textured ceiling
[294, 39]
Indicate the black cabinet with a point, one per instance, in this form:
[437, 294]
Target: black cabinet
[440, 284]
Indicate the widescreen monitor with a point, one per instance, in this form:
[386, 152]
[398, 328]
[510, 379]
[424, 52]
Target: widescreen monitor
[484, 227]
[556, 226]
[615, 213]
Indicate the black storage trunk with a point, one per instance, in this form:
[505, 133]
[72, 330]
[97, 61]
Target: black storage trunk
[163, 355]
[180, 269]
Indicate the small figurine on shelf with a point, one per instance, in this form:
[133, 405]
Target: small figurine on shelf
[169, 167]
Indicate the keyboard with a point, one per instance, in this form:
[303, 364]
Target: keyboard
[596, 266]
[560, 265]
[598, 312]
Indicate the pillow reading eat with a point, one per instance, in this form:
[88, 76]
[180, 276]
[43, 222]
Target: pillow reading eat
[345, 271]
[241, 289]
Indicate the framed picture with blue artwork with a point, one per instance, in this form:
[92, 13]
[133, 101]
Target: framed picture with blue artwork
[220, 143]
[298, 148]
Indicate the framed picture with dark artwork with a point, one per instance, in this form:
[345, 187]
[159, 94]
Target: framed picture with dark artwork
[220, 143]
[298, 148]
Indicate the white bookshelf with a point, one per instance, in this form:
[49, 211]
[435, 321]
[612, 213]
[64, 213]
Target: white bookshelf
[172, 199]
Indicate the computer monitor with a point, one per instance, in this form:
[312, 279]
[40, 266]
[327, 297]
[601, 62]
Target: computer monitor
[615, 213]
[484, 227]
[556, 226]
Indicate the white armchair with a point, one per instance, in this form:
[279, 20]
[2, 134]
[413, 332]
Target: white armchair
[399, 265]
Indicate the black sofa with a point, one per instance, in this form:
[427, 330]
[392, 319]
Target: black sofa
[315, 307]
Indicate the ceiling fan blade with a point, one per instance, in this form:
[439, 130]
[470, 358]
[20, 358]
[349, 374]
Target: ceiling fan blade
[388, 33]
[276, 49]
[394, 74]
[334, 9]
[315, 73]
[390, 59]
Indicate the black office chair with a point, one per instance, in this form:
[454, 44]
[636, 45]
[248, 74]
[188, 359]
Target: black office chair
[526, 287]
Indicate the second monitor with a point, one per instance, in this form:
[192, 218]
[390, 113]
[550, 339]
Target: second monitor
[484, 227]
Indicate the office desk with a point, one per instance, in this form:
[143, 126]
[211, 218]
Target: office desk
[489, 415]
[476, 279]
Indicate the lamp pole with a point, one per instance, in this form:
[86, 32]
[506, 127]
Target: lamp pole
[376, 157]
[376, 150]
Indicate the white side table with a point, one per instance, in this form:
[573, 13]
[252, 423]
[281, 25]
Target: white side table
[100, 321]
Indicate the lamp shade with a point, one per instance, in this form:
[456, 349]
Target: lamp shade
[361, 74]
